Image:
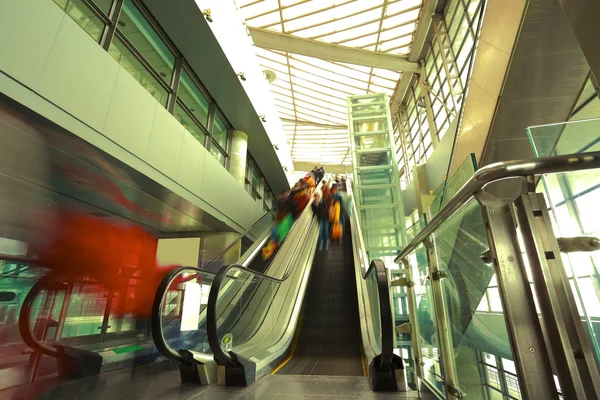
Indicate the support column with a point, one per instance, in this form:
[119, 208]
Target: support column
[239, 150]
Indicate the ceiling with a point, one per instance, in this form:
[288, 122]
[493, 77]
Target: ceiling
[324, 51]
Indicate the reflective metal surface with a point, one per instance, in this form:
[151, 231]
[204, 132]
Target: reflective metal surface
[499, 171]
[63, 169]
[546, 72]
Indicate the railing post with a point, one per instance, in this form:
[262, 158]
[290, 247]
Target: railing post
[570, 345]
[443, 324]
[415, 333]
[531, 358]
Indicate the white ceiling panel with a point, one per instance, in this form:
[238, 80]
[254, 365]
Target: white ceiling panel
[311, 93]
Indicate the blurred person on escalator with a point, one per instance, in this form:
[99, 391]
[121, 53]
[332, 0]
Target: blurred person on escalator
[320, 210]
[325, 190]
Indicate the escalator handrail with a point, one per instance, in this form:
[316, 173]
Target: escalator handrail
[383, 293]
[25, 327]
[211, 309]
[156, 327]
[220, 356]
[18, 259]
[499, 171]
[156, 316]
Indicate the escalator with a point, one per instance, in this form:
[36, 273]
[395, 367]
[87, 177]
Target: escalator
[47, 321]
[328, 341]
[312, 314]
[179, 311]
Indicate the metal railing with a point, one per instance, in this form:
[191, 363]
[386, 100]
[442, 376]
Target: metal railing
[544, 343]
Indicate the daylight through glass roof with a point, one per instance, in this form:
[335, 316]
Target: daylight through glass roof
[310, 93]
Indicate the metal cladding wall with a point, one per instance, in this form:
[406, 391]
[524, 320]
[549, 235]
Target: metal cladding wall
[50, 65]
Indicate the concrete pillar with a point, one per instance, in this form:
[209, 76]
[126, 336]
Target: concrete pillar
[239, 150]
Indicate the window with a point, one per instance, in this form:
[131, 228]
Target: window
[193, 98]
[220, 135]
[92, 19]
[139, 48]
[124, 54]
[127, 31]
[446, 74]
[256, 185]
[189, 123]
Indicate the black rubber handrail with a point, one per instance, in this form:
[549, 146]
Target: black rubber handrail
[156, 316]
[386, 314]
[387, 322]
[211, 308]
[24, 325]
[24, 314]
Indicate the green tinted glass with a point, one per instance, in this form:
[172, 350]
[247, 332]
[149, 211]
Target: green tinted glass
[84, 16]
[193, 98]
[146, 40]
[188, 122]
[220, 132]
[218, 154]
[128, 61]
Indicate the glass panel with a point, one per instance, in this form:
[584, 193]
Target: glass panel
[573, 198]
[193, 98]
[376, 196]
[192, 127]
[84, 17]
[449, 187]
[376, 141]
[381, 238]
[217, 154]
[184, 312]
[379, 216]
[85, 313]
[120, 322]
[372, 159]
[220, 132]
[370, 125]
[146, 40]
[459, 243]
[131, 64]
[16, 280]
[245, 299]
[430, 352]
[377, 177]
[565, 138]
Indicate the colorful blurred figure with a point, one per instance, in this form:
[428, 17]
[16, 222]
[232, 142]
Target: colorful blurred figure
[320, 209]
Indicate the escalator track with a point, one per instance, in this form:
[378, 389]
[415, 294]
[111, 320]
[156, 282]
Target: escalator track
[328, 341]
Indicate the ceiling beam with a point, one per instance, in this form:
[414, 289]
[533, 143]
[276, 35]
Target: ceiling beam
[416, 52]
[423, 28]
[330, 52]
[334, 169]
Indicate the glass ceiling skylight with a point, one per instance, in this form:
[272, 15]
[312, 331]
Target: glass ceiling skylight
[310, 93]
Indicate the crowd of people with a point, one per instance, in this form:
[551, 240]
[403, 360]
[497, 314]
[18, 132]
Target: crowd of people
[329, 208]
[289, 207]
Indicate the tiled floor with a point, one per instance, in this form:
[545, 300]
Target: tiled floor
[165, 385]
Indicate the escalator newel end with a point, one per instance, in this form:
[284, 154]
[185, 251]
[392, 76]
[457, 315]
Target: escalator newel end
[392, 379]
[76, 363]
[242, 374]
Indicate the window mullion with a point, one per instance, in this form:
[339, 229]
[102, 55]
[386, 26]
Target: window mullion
[175, 80]
[111, 26]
